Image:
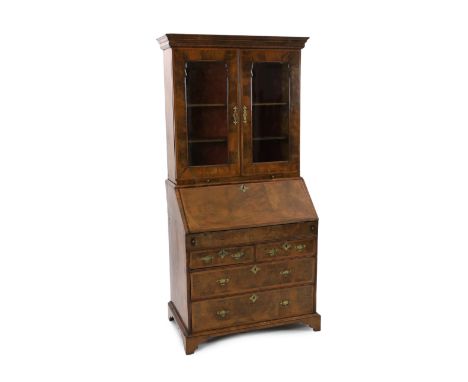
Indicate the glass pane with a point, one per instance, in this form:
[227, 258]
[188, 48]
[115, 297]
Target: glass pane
[270, 111]
[206, 87]
[207, 153]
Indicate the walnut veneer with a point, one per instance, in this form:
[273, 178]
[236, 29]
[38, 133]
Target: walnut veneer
[242, 226]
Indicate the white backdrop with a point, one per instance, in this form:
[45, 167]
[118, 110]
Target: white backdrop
[84, 271]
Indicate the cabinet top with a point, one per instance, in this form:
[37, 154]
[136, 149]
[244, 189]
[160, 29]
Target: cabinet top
[172, 40]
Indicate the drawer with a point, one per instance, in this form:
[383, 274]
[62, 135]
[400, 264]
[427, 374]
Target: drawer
[252, 307]
[301, 230]
[274, 250]
[221, 256]
[248, 277]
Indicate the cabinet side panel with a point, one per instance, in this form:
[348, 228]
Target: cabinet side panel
[169, 91]
[316, 251]
[178, 259]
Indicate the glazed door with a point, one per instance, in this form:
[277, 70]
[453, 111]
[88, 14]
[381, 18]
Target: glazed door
[270, 112]
[206, 113]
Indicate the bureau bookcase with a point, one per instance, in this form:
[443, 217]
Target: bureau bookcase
[242, 226]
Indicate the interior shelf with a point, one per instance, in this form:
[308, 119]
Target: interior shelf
[272, 138]
[209, 140]
[269, 103]
[206, 105]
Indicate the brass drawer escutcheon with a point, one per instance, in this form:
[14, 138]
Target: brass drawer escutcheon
[238, 255]
[222, 313]
[243, 188]
[254, 269]
[223, 282]
[253, 298]
[287, 246]
[207, 259]
[284, 303]
[286, 272]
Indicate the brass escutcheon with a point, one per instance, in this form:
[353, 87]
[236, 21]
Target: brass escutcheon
[287, 246]
[244, 114]
[235, 115]
[243, 188]
[254, 269]
[253, 298]
[284, 303]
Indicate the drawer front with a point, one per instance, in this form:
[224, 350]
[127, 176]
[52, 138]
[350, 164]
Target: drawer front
[243, 278]
[222, 256]
[275, 250]
[252, 307]
[253, 235]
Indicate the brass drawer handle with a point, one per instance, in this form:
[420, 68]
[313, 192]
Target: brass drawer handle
[253, 298]
[223, 282]
[244, 114]
[272, 252]
[287, 246]
[223, 253]
[238, 255]
[235, 115]
[300, 247]
[222, 313]
[286, 272]
[284, 303]
[207, 259]
[254, 269]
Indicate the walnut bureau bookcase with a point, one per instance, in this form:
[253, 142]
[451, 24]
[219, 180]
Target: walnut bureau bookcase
[242, 226]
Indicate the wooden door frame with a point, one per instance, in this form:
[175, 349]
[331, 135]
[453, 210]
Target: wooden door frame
[292, 57]
[185, 172]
